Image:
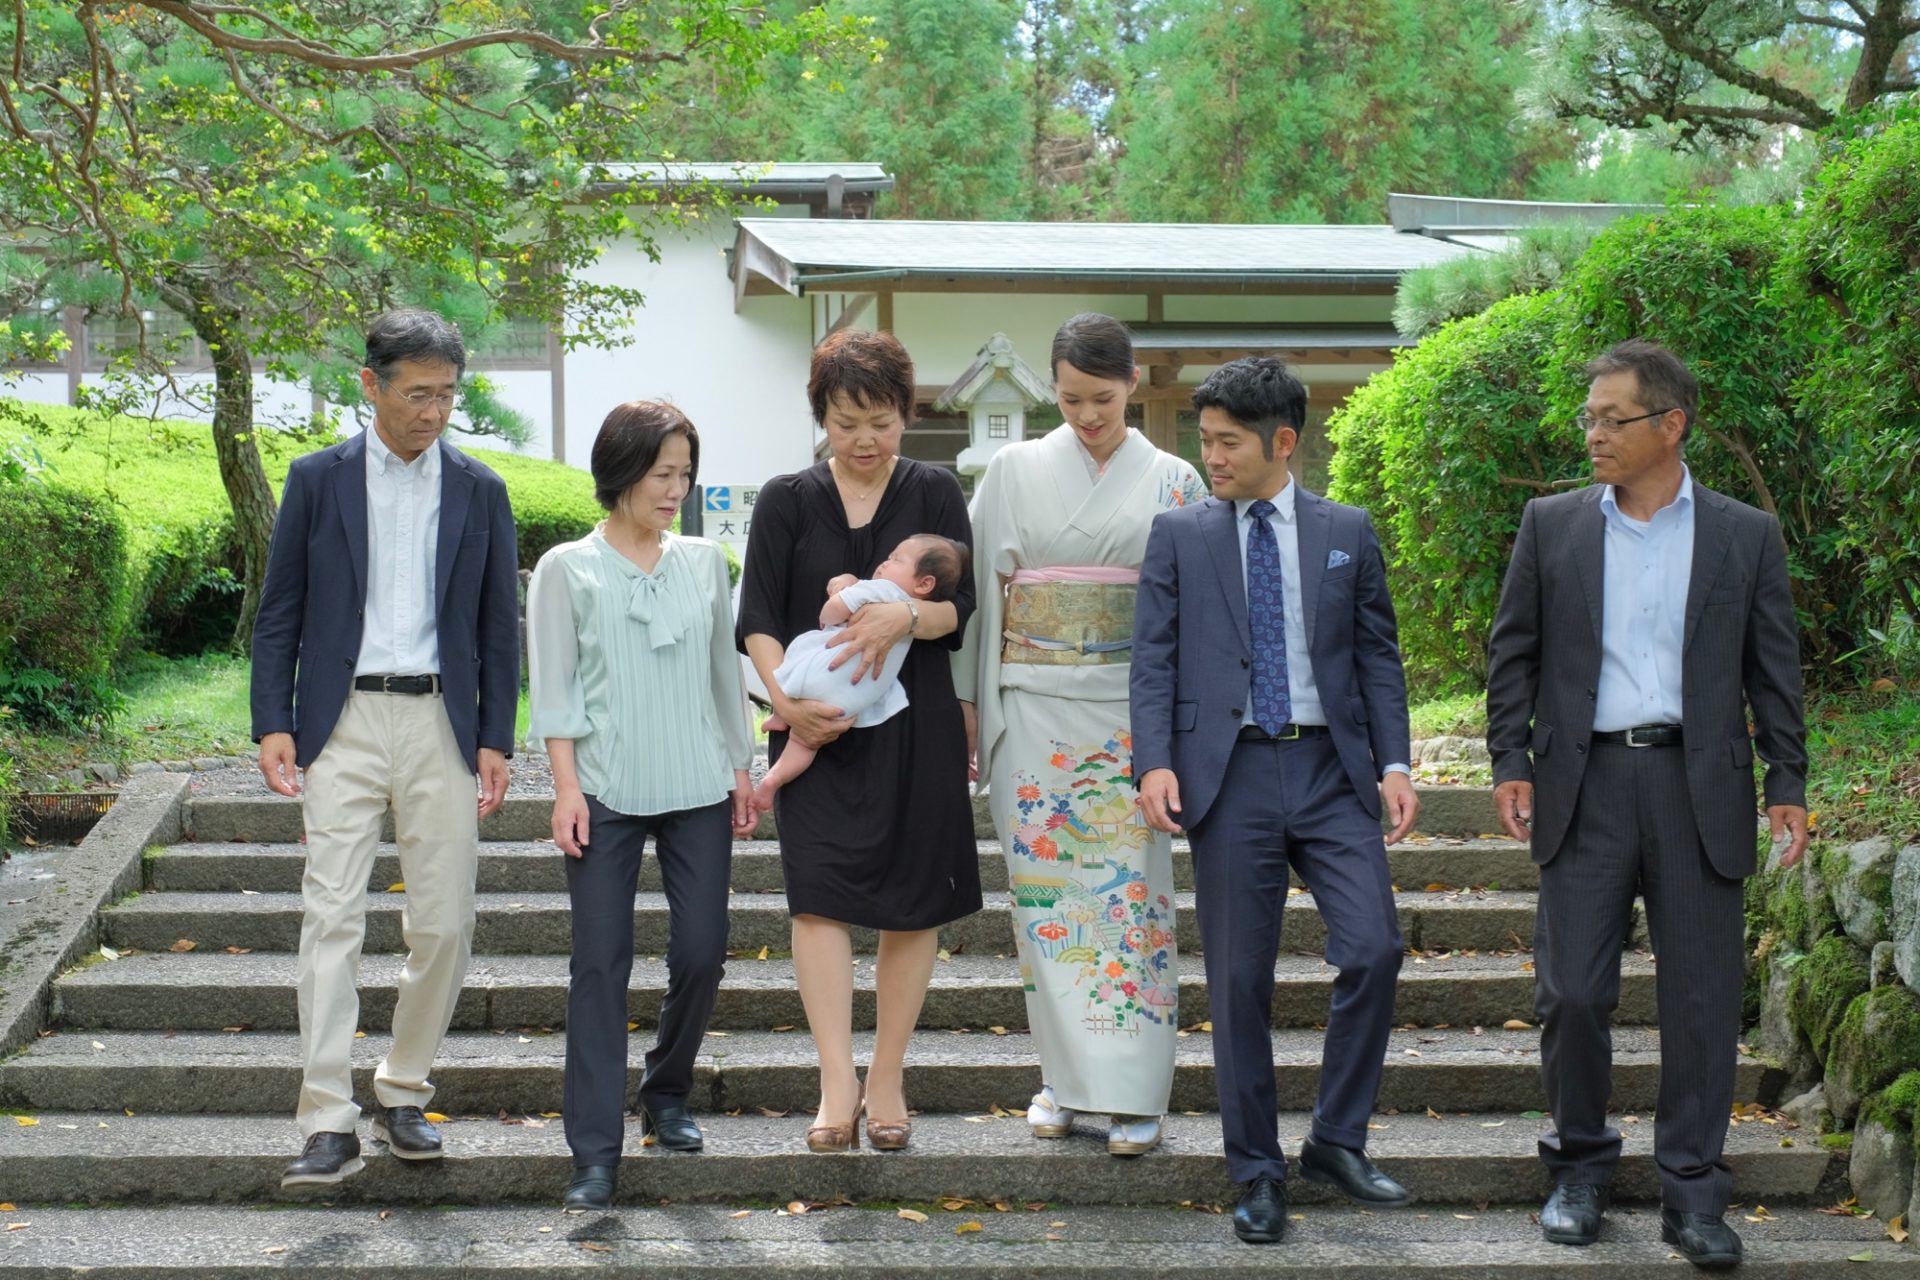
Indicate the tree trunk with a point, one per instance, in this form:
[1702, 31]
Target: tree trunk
[1877, 50]
[241, 471]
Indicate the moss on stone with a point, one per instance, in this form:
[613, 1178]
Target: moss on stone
[1878, 1041]
[1823, 987]
[1792, 904]
[1836, 1141]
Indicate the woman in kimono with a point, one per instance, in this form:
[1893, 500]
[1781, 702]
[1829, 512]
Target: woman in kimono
[1059, 527]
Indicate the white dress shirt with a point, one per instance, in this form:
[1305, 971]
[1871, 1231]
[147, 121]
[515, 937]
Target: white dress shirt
[1643, 612]
[1303, 695]
[399, 636]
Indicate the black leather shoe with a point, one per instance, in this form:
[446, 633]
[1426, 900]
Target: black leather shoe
[1572, 1213]
[671, 1127]
[1704, 1239]
[327, 1157]
[1261, 1215]
[591, 1188]
[407, 1134]
[1350, 1173]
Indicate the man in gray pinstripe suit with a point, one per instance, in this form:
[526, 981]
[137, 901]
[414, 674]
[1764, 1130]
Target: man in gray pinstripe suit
[1642, 618]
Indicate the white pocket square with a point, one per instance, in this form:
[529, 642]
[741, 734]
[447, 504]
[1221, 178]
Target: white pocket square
[1336, 558]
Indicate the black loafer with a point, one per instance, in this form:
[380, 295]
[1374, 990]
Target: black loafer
[1350, 1173]
[591, 1188]
[1704, 1239]
[327, 1157]
[671, 1127]
[1261, 1215]
[407, 1133]
[1572, 1214]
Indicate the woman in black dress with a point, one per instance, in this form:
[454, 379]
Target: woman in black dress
[879, 832]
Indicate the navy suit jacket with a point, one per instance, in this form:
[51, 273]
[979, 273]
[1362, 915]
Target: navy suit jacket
[306, 639]
[1192, 649]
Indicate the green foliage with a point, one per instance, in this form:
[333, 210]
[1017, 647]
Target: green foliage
[1823, 987]
[1878, 1040]
[1863, 776]
[1858, 252]
[1442, 450]
[552, 502]
[63, 603]
[1537, 258]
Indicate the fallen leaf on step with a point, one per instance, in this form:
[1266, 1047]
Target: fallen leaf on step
[1493, 1124]
[273, 1249]
[545, 1231]
[633, 1026]
[593, 1247]
[25, 1122]
[398, 886]
[1054, 1239]
[966, 1228]
[7, 1208]
[912, 1215]
[763, 954]
[999, 1031]
[1434, 1115]
[359, 1035]
[436, 1117]
[798, 1208]
[1897, 1229]
[1515, 1024]
[954, 1204]
[98, 1047]
[18, 1226]
[744, 1213]
[549, 1115]
[771, 1114]
[1464, 1217]
[251, 893]
[238, 1028]
[239, 951]
[943, 954]
[1865, 1255]
[783, 1027]
[109, 953]
[385, 1214]
[185, 944]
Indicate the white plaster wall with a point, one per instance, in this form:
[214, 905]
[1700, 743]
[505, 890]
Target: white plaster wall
[36, 387]
[945, 331]
[742, 378]
[528, 391]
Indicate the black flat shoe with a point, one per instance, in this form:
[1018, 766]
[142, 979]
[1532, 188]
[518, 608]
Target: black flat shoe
[1704, 1239]
[1572, 1214]
[327, 1157]
[1350, 1173]
[407, 1133]
[672, 1128]
[591, 1188]
[1261, 1215]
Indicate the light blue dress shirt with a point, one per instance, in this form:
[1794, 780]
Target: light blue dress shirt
[401, 636]
[1643, 613]
[1302, 693]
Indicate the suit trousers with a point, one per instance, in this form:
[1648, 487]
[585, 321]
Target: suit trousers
[1633, 831]
[695, 848]
[1281, 805]
[397, 751]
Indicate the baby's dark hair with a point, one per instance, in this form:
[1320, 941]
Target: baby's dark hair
[945, 561]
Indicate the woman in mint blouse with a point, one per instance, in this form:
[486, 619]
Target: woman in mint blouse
[637, 691]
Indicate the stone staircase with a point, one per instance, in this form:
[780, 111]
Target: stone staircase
[162, 1099]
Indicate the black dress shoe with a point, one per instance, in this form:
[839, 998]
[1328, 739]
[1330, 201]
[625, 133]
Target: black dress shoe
[1261, 1215]
[1704, 1239]
[671, 1127]
[327, 1157]
[591, 1188]
[407, 1134]
[1572, 1213]
[1352, 1174]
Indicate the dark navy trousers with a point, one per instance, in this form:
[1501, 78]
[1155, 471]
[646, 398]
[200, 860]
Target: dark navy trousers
[1291, 805]
[695, 848]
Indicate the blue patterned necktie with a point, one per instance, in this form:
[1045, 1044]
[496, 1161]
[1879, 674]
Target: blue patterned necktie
[1267, 620]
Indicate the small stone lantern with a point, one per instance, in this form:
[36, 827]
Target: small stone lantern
[995, 392]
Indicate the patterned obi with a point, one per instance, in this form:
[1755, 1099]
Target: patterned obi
[1070, 617]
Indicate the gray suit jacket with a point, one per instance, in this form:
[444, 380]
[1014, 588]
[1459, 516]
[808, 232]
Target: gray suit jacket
[1192, 648]
[1741, 651]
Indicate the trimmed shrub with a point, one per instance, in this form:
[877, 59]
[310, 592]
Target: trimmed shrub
[1857, 256]
[552, 502]
[1443, 450]
[63, 603]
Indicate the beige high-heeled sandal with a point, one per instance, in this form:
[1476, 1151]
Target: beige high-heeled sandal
[826, 1139]
[890, 1135]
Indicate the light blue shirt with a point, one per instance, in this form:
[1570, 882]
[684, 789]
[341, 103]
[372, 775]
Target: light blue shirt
[1303, 695]
[400, 636]
[1643, 613]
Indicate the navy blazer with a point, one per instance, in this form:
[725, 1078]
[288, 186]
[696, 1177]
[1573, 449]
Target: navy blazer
[1192, 650]
[306, 639]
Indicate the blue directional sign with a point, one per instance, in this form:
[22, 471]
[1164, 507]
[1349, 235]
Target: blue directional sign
[719, 497]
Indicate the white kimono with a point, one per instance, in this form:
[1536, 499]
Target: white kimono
[1092, 883]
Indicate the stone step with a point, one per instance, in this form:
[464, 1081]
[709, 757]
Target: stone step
[516, 866]
[107, 1157]
[258, 815]
[202, 991]
[540, 923]
[482, 1073]
[1044, 1242]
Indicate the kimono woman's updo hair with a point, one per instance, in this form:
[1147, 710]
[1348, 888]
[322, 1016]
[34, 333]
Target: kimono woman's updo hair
[1094, 344]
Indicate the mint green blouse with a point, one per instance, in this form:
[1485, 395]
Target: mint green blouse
[639, 670]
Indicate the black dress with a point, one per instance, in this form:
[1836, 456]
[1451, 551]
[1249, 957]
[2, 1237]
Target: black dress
[879, 831]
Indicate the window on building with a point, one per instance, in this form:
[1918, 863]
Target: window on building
[997, 427]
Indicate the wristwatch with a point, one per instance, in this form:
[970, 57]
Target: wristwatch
[913, 610]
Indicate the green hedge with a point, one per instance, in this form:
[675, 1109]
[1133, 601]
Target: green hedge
[63, 602]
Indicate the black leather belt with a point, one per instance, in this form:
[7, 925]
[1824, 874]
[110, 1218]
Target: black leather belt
[1288, 732]
[1643, 735]
[397, 684]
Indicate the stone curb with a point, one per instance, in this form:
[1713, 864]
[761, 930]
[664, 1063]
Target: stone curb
[62, 924]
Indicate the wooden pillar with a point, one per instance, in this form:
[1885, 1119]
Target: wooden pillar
[557, 389]
[1162, 407]
[883, 319]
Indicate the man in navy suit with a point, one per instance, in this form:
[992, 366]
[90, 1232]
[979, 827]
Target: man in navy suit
[386, 665]
[1270, 719]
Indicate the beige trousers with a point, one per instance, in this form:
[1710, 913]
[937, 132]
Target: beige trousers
[388, 750]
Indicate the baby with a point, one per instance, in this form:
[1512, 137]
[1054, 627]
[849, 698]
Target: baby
[924, 567]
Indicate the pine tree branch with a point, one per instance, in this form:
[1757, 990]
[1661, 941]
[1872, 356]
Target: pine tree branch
[1793, 106]
[1826, 20]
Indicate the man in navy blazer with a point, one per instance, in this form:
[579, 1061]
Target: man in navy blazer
[1270, 719]
[386, 666]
